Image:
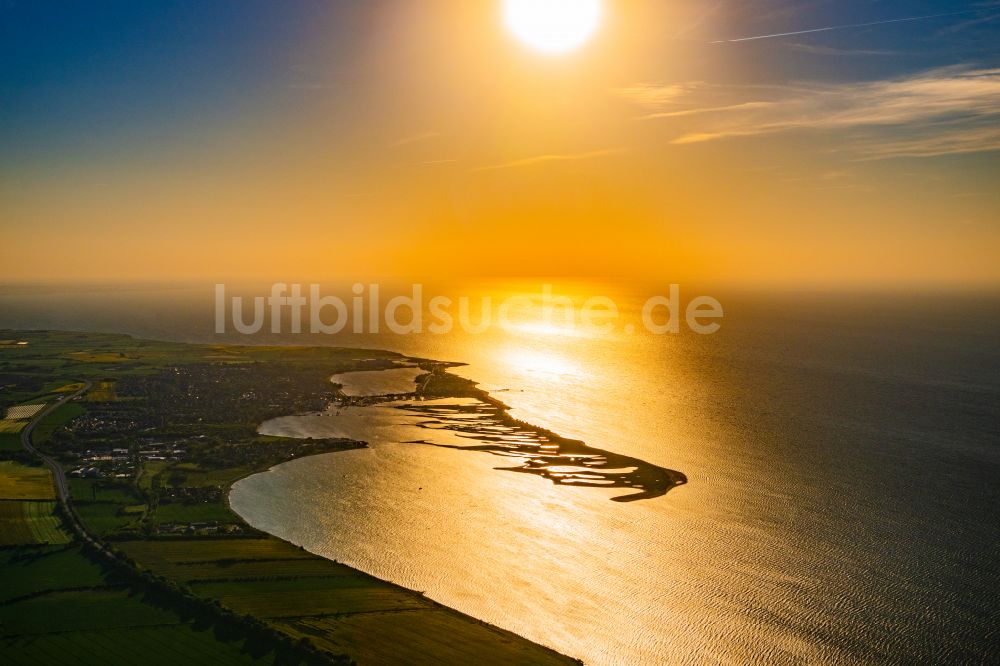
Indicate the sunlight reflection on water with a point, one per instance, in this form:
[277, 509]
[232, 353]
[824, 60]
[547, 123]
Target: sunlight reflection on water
[788, 544]
[841, 504]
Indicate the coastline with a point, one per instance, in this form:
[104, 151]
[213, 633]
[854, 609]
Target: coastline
[453, 612]
[437, 385]
[258, 586]
[507, 634]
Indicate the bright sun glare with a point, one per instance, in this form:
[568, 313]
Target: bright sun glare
[552, 26]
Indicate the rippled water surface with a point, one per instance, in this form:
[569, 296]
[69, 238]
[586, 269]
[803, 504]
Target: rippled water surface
[841, 457]
[840, 504]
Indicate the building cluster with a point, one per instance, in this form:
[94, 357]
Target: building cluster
[121, 462]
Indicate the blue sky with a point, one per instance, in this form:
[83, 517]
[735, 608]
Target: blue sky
[80, 69]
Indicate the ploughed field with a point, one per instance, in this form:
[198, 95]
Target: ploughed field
[29, 523]
[27, 509]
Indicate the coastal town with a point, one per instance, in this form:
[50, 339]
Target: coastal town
[116, 459]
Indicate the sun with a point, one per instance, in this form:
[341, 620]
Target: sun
[552, 26]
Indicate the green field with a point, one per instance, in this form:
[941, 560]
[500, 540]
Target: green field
[411, 637]
[338, 608]
[165, 645]
[73, 356]
[10, 442]
[80, 610]
[103, 519]
[97, 490]
[29, 522]
[105, 507]
[163, 554]
[55, 420]
[22, 482]
[94, 356]
[69, 388]
[217, 570]
[9, 426]
[103, 391]
[56, 607]
[32, 570]
[230, 559]
[196, 477]
[14, 528]
[151, 470]
[44, 523]
[177, 512]
[299, 597]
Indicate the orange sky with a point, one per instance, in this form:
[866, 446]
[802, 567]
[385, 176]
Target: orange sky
[432, 144]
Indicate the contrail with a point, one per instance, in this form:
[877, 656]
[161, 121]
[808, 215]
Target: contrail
[852, 25]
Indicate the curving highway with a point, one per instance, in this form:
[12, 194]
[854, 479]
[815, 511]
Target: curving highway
[58, 475]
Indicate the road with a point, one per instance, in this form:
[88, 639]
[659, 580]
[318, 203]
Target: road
[58, 475]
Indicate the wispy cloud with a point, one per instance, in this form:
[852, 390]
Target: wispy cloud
[848, 26]
[816, 49]
[742, 106]
[414, 138]
[940, 111]
[542, 159]
[654, 95]
[974, 22]
[953, 141]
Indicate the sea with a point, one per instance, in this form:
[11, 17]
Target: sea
[841, 451]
